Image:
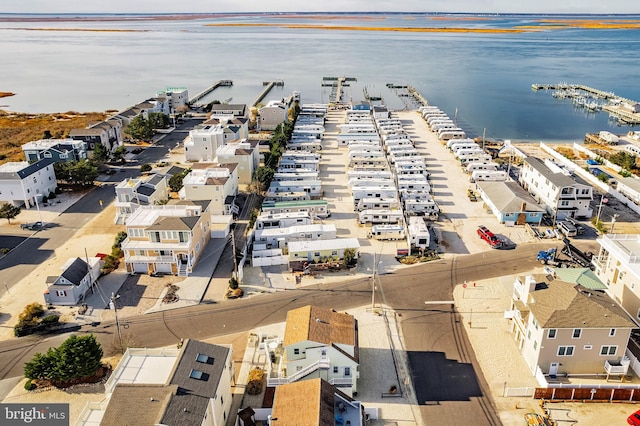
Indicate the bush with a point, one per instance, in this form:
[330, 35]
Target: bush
[51, 320]
[52, 195]
[29, 385]
[117, 252]
[233, 283]
[30, 313]
[119, 239]
[145, 168]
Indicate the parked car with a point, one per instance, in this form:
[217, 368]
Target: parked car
[31, 226]
[567, 229]
[634, 419]
[581, 229]
[110, 172]
[489, 237]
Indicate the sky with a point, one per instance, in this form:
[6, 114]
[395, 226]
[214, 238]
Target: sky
[211, 6]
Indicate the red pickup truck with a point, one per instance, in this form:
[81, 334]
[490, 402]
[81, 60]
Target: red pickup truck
[489, 237]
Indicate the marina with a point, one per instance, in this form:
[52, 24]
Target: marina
[625, 111]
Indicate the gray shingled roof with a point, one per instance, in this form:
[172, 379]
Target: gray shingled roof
[137, 404]
[76, 271]
[558, 179]
[190, 403]
[557, 304]
[174, 223]
[155, 179]
[146, 189]
[508, 197]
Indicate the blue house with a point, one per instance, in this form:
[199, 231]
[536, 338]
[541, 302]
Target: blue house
[59, 150]
[511, 203]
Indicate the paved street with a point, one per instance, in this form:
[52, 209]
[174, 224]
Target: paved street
[447, 380]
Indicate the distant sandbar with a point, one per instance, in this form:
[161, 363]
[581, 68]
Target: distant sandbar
[6, 94]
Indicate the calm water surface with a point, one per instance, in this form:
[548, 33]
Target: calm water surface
[487, 77]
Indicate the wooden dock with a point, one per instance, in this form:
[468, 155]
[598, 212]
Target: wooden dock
[205, 92]
[418, 97]
[268, 85]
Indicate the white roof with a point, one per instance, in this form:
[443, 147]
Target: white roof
[14, 166]
[317, 245]
[295, 230]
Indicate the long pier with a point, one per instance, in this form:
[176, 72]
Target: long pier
[421, 99]
[268, 85]
[205, 92]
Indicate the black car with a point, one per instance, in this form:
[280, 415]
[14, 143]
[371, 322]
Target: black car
[31, 226]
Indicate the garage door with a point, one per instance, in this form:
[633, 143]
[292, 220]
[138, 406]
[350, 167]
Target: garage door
[163, 267]
[140, 267]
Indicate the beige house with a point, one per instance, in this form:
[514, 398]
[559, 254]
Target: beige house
[215, 182]
[167, 238]
[566, 329]
[107, 133]
[318, 343]
[315, 402]
[132, 193]
[618, 266]
[245, 154]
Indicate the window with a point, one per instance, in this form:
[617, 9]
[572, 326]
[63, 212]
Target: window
[565, 350]
[196, 374]
[612, 332]
[608, 350]
[347, 371]
[529, 335]
[205, 359]
[61, 293]
[577, 332]
[47, 154]
[296, 351]
[587, 347]
[535, 345]
[551, 334]
[335, 370]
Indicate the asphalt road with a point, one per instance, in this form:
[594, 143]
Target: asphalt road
[448, 383]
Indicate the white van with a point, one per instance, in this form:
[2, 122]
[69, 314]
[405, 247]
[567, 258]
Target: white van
[472, 167]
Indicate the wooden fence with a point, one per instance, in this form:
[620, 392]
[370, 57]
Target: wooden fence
[587, 394]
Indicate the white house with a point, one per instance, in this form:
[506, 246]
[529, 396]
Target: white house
[177, 97]
[77, 279]
[272, 114]
[60, 150]
[132, 193]
[318, 342]
[562, 196]
[617, 264]
[279, 237]
[630, 187]
[203, 142]
[215, 182]
[26, 184]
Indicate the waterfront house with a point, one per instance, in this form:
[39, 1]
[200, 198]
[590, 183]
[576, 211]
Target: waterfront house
[315, 402]
[108, 133]
[167, 238]
[565, 329]
[78, 278]
[240, 126]
[177, 98]
[617, 264]
[272, 114]
[189, 385]
[245, 154]
[132, 193]
[26, 184]
[510, 203]
[225, 110]
[562, 196]
[144, 108]
[60, 150]
[215, 182]
[318, 343]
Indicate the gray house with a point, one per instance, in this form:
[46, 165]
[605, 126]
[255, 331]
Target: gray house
[59, 150]
[74, 283]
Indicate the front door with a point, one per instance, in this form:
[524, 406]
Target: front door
[553, 369]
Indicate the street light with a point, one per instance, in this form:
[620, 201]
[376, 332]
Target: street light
[373, 281]
[613, 221]
[602, 201]
[112, 305]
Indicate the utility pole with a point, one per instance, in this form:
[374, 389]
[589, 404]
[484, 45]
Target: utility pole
[602, 201]
[113, 306]
[235, 261]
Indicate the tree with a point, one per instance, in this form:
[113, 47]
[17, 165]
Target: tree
[158, 120]
[9, 211]
[82, 172]
[76, 357]
[175, 182]
[119, 153]
[262, 178]
[139, 128]
[100, 153]
[46, 134]
[349, 257]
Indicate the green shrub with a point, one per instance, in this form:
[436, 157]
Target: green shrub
[233, 283]
[51, 320]
[145, 168]
[52, 195]
[29, 385]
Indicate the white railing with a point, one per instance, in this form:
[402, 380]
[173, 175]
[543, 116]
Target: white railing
[151, 259]
[341, 381]
[320, 364]
[520, 392]
[88, 408]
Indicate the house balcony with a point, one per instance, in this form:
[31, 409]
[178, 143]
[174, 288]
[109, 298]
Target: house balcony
[617, 367]
[130, 244]
[150, 259]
